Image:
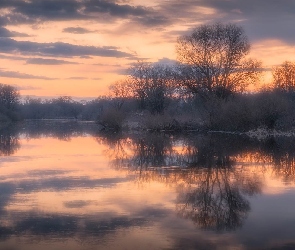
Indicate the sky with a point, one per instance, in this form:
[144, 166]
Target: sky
[78, 48]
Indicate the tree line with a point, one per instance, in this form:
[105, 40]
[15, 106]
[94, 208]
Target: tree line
[208, 87]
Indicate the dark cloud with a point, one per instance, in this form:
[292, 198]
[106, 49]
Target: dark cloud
[77, 30]
[44, 61]
[260, 18]
[17, 58]
[114, 9]
[85, 57]
[8, 45]
[41, 10]
[263, 19]
[152, 20]
[18, 75]
[7, 33]
[266, 19]
[59, 10]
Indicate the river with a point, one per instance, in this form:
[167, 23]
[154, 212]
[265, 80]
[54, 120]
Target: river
[67, 185]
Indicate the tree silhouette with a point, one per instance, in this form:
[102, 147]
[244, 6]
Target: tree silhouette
[214, 60]
[284, 76]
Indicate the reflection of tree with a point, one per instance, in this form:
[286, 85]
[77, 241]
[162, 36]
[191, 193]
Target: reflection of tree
[151, 151]
[209, 172]
[136, 153]
[9, 141]
[118, 148]
[282, 155]
[217, 200]
[60, 129]
[212, 190]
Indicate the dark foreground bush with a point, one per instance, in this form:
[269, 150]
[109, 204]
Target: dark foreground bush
[111, 119]
[245, 112]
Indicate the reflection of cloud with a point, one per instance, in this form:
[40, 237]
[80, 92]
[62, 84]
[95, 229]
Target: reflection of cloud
[66, 183]
[77, 204]
[66, 226]
[46, 173]
[6, 192]
[156, 212]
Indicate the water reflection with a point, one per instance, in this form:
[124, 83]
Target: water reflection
[9, 140]
[71, 181]
[62, 130]
[212, 191]
[219, 202]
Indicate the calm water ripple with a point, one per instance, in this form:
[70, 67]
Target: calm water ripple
[66, 184]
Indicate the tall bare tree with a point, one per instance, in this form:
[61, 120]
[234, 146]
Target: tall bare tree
[213, 59]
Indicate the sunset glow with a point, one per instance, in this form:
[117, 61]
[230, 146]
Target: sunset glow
[78, 48]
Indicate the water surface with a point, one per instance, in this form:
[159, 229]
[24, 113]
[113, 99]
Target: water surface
[68, 185]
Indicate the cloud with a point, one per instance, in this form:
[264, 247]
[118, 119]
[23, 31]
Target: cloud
[77, 30]
[152, 20]
[17, 58]
[18, 75]
[61, 10]
[44, 61]
[25, 87]
[260, 18]
[166, 61]
[38, 11]
[114, 9]
[77, 78]
[7, 33]
[60, 49]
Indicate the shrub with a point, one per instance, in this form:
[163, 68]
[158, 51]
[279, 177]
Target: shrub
[111, 119]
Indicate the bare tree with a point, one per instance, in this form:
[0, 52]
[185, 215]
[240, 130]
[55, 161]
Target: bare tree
[9, 97]
[121, 90]
[151, 85]
[284, 76]
[213, 59]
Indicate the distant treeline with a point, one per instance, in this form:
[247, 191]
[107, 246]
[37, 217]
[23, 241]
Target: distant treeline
[207, 89]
